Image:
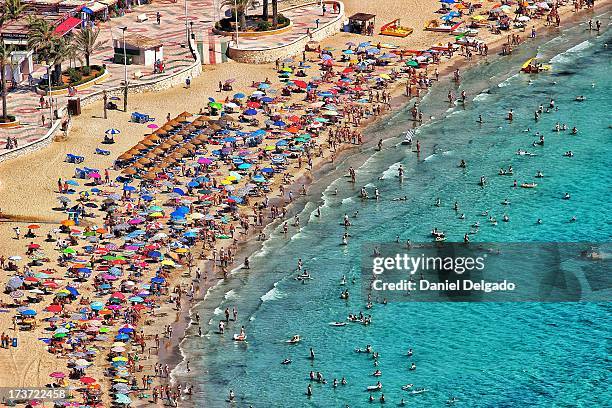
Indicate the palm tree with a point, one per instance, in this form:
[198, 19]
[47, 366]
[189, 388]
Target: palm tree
[12, 9]
[58, 53]
[86, 41]
[40, 37]
[275, 13]
[239, 7]
[265, 13]
[74, 54]
[5, 60]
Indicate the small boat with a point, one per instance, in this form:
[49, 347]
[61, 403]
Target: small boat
[529, 185]
[337, 324]
[240, 337]
[531, 66]
[377, 373]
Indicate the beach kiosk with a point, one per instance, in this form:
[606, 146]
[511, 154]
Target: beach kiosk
[359, 22]
[139, 50]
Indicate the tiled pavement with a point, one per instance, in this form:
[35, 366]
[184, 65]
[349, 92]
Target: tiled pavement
[24, 102]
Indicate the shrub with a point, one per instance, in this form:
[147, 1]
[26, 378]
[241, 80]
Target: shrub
[86, 71]
[263, 26]
[74, 75]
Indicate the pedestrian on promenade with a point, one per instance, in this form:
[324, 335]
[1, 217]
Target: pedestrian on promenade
[158, 17]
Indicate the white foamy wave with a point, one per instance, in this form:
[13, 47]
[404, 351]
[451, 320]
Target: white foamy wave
[217, 311]
[567, 56]
[370, 185]
[272, 294]
[482, 97]
[431, 156]
[231, 295]
[391, 171]
[347, 200]
[507, 81]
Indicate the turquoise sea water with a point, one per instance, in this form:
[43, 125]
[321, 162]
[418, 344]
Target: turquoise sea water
[484, 354]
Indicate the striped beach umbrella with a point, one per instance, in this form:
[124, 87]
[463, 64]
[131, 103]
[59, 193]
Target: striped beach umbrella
[112, 131]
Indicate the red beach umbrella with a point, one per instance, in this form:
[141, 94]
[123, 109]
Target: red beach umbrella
[88, 380]
[54, 308]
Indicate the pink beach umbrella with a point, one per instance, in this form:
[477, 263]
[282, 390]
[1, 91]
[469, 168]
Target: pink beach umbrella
[152, 126]
[57, 374]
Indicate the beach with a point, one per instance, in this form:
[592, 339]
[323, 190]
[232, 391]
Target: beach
[31, 191]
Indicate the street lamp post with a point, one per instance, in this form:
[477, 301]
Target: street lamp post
[49, 93]
[125, 75]
[236, 13]
[186, 27]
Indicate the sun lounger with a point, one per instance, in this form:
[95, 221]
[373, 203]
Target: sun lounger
[80, 173]
[72, 158]
[140, 117]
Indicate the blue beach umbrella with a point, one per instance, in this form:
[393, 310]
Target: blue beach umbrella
[239, 95]
[112, 131]
[250, 112]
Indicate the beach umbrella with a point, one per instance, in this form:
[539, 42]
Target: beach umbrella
[57, 374]
[87, 380]
[54, 308]
[250, 112]
[16, 294]
[28, 312]
[239, 95]
[112, 131]
[122, 399]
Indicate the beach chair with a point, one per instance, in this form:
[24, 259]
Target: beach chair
[80, 173]
[102, 152]
[73, 158]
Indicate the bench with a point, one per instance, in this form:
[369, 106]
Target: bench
[141, 18]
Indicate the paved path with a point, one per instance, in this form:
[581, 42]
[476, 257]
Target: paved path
[24, 102]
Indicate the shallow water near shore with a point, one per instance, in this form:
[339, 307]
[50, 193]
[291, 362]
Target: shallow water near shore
[494, 354]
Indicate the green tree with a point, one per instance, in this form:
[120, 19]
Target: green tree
[12, 10]
[41, 37]
[239, 7]
[86, 41]
[5, 61]
[60, 51]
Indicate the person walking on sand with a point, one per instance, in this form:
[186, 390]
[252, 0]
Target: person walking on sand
[158, 17]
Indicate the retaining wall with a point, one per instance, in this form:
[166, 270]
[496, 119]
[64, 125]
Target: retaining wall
[269, 54]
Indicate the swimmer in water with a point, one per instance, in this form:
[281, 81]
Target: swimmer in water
[438, 202]
[566, 196]
[539, 221]
[404, 198]
[462, 217]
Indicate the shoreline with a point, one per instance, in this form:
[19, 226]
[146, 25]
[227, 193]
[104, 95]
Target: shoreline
[398, 102]
[171, 352]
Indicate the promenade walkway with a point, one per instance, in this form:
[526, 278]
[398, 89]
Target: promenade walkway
[24, 102]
